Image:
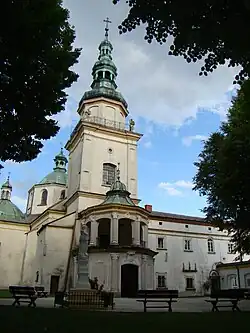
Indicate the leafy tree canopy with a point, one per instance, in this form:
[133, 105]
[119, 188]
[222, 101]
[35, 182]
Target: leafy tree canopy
[223, 173]
[217, 30]
[36, 54]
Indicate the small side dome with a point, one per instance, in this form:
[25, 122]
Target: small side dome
[10, 212]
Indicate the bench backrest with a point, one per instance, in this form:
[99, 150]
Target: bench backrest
[228, 293]
[39, 288]
[18, 290]
[158, 293]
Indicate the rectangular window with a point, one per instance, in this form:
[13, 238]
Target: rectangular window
[230, 248]
[248, 281]
[166, 256]
[160, 243]
[187, 245]
[189, 283]
[108, 177]
[161, 281]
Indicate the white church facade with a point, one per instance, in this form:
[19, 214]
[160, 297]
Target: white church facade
[95, 189]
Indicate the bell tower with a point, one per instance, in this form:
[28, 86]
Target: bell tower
[102, 138]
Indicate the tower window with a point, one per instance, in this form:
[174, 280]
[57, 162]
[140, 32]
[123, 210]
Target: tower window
[62, 196]
[107, 75]
[108, 175]
[44, 197]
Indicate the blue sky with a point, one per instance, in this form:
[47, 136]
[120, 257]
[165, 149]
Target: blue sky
[174, 108]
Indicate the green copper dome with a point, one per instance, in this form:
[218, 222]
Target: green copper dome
[59, 174]
[118, 194]
[8, 210]
[104, 73]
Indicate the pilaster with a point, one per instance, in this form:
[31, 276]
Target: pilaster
[93, 231]
[144, 259]
[136, 231]
[114, 271]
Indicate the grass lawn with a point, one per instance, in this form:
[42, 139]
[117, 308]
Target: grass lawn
[74, 321]
[4, 293]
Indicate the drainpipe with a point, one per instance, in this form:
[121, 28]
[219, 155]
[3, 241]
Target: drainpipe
[238, 274]
[23, 260]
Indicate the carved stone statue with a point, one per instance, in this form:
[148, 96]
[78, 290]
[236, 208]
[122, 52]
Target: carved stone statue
[84, 240]
[131, 125]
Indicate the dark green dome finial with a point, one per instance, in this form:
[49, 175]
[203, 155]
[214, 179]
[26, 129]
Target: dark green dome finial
[60, 160]
[6, 189]
[59, 174]
[104, 73]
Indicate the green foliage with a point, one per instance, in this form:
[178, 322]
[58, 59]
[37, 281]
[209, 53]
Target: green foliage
[223, 173]
[216, 30]
[36, 53]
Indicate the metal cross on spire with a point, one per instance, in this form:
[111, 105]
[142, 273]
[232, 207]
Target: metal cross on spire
[107, 21]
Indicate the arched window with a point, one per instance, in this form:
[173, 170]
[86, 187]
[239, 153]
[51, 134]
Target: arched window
[210, 245]
[108, 174]
[44, 197]
[247, 280]
[62, 196]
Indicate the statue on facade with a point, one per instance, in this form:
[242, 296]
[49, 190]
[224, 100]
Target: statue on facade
[84, 241]
[131, 125]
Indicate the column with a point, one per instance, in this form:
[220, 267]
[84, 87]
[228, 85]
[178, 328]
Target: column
[145, 234]
[136, 231]
[93, 232]
[114, 271]
[144, 260]
[114, 229]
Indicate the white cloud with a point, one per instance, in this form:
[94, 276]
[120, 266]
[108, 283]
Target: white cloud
[160, 88]
[175, 189]
[184, 184]
[188, 140]
[19, 202]
[148, 144]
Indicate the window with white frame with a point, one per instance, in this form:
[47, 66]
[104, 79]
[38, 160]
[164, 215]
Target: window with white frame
[189, 283]
[232, 281]
[108, 174]
[187, 244]
[247, 280]
[160, 243]
[210, 245]
[161, 280]
[230, 248]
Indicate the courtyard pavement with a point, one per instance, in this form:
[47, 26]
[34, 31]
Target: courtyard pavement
[192, 304]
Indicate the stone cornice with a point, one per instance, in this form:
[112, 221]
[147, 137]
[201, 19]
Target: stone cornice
[108, 209]
[123, 249]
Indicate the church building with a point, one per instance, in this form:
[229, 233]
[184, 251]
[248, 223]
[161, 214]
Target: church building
[93, 192]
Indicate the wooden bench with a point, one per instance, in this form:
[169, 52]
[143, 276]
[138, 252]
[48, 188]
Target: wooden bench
[23, 295]
[223, 296]
[40, 291]
[157, 296]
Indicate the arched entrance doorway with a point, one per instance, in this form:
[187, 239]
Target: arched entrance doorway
[129, 280]
[215, 280]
